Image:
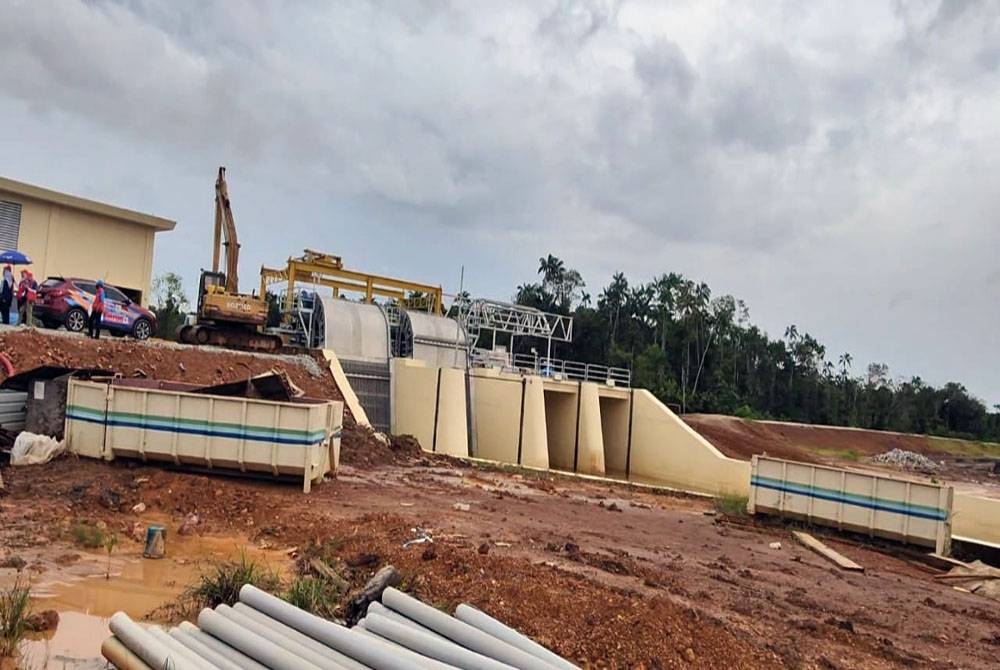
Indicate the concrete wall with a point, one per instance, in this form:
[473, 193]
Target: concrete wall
[422, 393]
[71, 243]
[976, 518]
[496, 415]
[667, 451]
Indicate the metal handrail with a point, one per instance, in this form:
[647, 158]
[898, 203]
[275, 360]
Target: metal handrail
[551, 367]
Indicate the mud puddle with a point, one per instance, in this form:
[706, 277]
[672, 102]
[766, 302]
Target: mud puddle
[76, 584]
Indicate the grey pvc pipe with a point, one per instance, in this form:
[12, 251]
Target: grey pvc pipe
[251, 644]
[220, 647]
[203, 651]
[488, 624]
[344, 640]
[376, 607]
[461, 633]
[152, 652]
[189, 656]
[295, 635]
[120, 656]
[302, 651]
[447, 652]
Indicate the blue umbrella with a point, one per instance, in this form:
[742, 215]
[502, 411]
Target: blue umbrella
[14, 258]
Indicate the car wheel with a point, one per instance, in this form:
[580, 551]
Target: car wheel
[142, 330]
[76, 320]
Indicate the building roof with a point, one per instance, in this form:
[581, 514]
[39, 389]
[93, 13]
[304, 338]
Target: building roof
[84, 205]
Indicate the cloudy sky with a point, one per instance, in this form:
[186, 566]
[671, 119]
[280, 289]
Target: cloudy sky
[832, 163]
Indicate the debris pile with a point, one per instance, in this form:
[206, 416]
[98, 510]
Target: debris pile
[908, 460]
[165, 361]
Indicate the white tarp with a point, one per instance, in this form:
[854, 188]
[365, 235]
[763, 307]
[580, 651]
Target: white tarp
[31, 449]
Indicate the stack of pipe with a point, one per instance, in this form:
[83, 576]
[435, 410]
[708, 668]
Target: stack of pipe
[263, 632]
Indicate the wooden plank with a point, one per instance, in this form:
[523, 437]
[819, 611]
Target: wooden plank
[826, 552]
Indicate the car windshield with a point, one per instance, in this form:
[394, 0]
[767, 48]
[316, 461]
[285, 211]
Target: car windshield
[51, 282]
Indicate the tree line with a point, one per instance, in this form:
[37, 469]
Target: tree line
[701, 353]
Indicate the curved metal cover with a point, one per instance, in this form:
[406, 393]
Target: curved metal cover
[438, 340]
[355, 331]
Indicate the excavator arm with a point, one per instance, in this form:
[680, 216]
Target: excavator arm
[225, 235]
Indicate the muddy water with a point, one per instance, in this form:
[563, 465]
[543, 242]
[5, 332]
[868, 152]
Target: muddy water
[76, 585]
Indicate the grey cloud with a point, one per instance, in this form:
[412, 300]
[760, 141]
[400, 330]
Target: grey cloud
[768, 107]
[794, 158]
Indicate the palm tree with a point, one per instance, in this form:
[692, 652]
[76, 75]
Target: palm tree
[552, 270]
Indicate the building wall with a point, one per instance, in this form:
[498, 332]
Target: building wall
[71, 243]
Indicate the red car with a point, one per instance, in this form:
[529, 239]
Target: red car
[66, 302]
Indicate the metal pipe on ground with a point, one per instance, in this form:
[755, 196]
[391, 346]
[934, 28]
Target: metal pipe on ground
[318, 659]
[152, 652]
[353, 644]
[491, 626]
[189, 656]
[446, 651]
[295, 635]
[120, 656]
[220, 647]
[376, 607]
[251, 644]
[213, 657]
[460, 632]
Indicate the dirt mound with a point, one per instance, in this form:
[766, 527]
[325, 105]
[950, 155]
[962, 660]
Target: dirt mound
[739, 438]
[28, 349]
[581, 620]
[360, 447]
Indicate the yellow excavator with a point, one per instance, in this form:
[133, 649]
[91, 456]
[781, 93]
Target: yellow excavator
[225, 317]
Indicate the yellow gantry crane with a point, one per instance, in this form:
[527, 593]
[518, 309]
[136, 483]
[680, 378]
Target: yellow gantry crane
[321, 269]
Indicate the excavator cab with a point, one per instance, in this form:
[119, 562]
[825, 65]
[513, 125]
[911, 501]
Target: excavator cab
[211, 282]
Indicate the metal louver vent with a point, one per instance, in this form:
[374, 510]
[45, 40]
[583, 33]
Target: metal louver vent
[10, 224]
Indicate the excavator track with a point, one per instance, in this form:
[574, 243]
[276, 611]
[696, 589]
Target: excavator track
[230, 338]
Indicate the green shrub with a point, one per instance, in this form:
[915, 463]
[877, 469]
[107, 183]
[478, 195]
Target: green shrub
[222, 584]
[316, 595]
[732, 505]
[88, 536]
[15, 607]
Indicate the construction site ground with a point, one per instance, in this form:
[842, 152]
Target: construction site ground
[602, 573]
[606, 574]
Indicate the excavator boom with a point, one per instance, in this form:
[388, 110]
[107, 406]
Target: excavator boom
[226, 225]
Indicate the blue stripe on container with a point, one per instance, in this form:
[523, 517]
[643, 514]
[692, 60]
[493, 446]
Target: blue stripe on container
[196, 431]
[822, 494]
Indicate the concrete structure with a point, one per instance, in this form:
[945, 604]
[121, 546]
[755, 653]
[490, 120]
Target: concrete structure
[127, 418]
[74, 237]
[976, 519]
[574, 426]
[627, 434]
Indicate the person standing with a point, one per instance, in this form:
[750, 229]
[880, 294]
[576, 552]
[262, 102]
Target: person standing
[6, 294]
[97, 311]
[27, 292]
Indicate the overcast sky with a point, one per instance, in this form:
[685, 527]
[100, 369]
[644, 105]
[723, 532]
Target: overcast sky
[835, 164]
